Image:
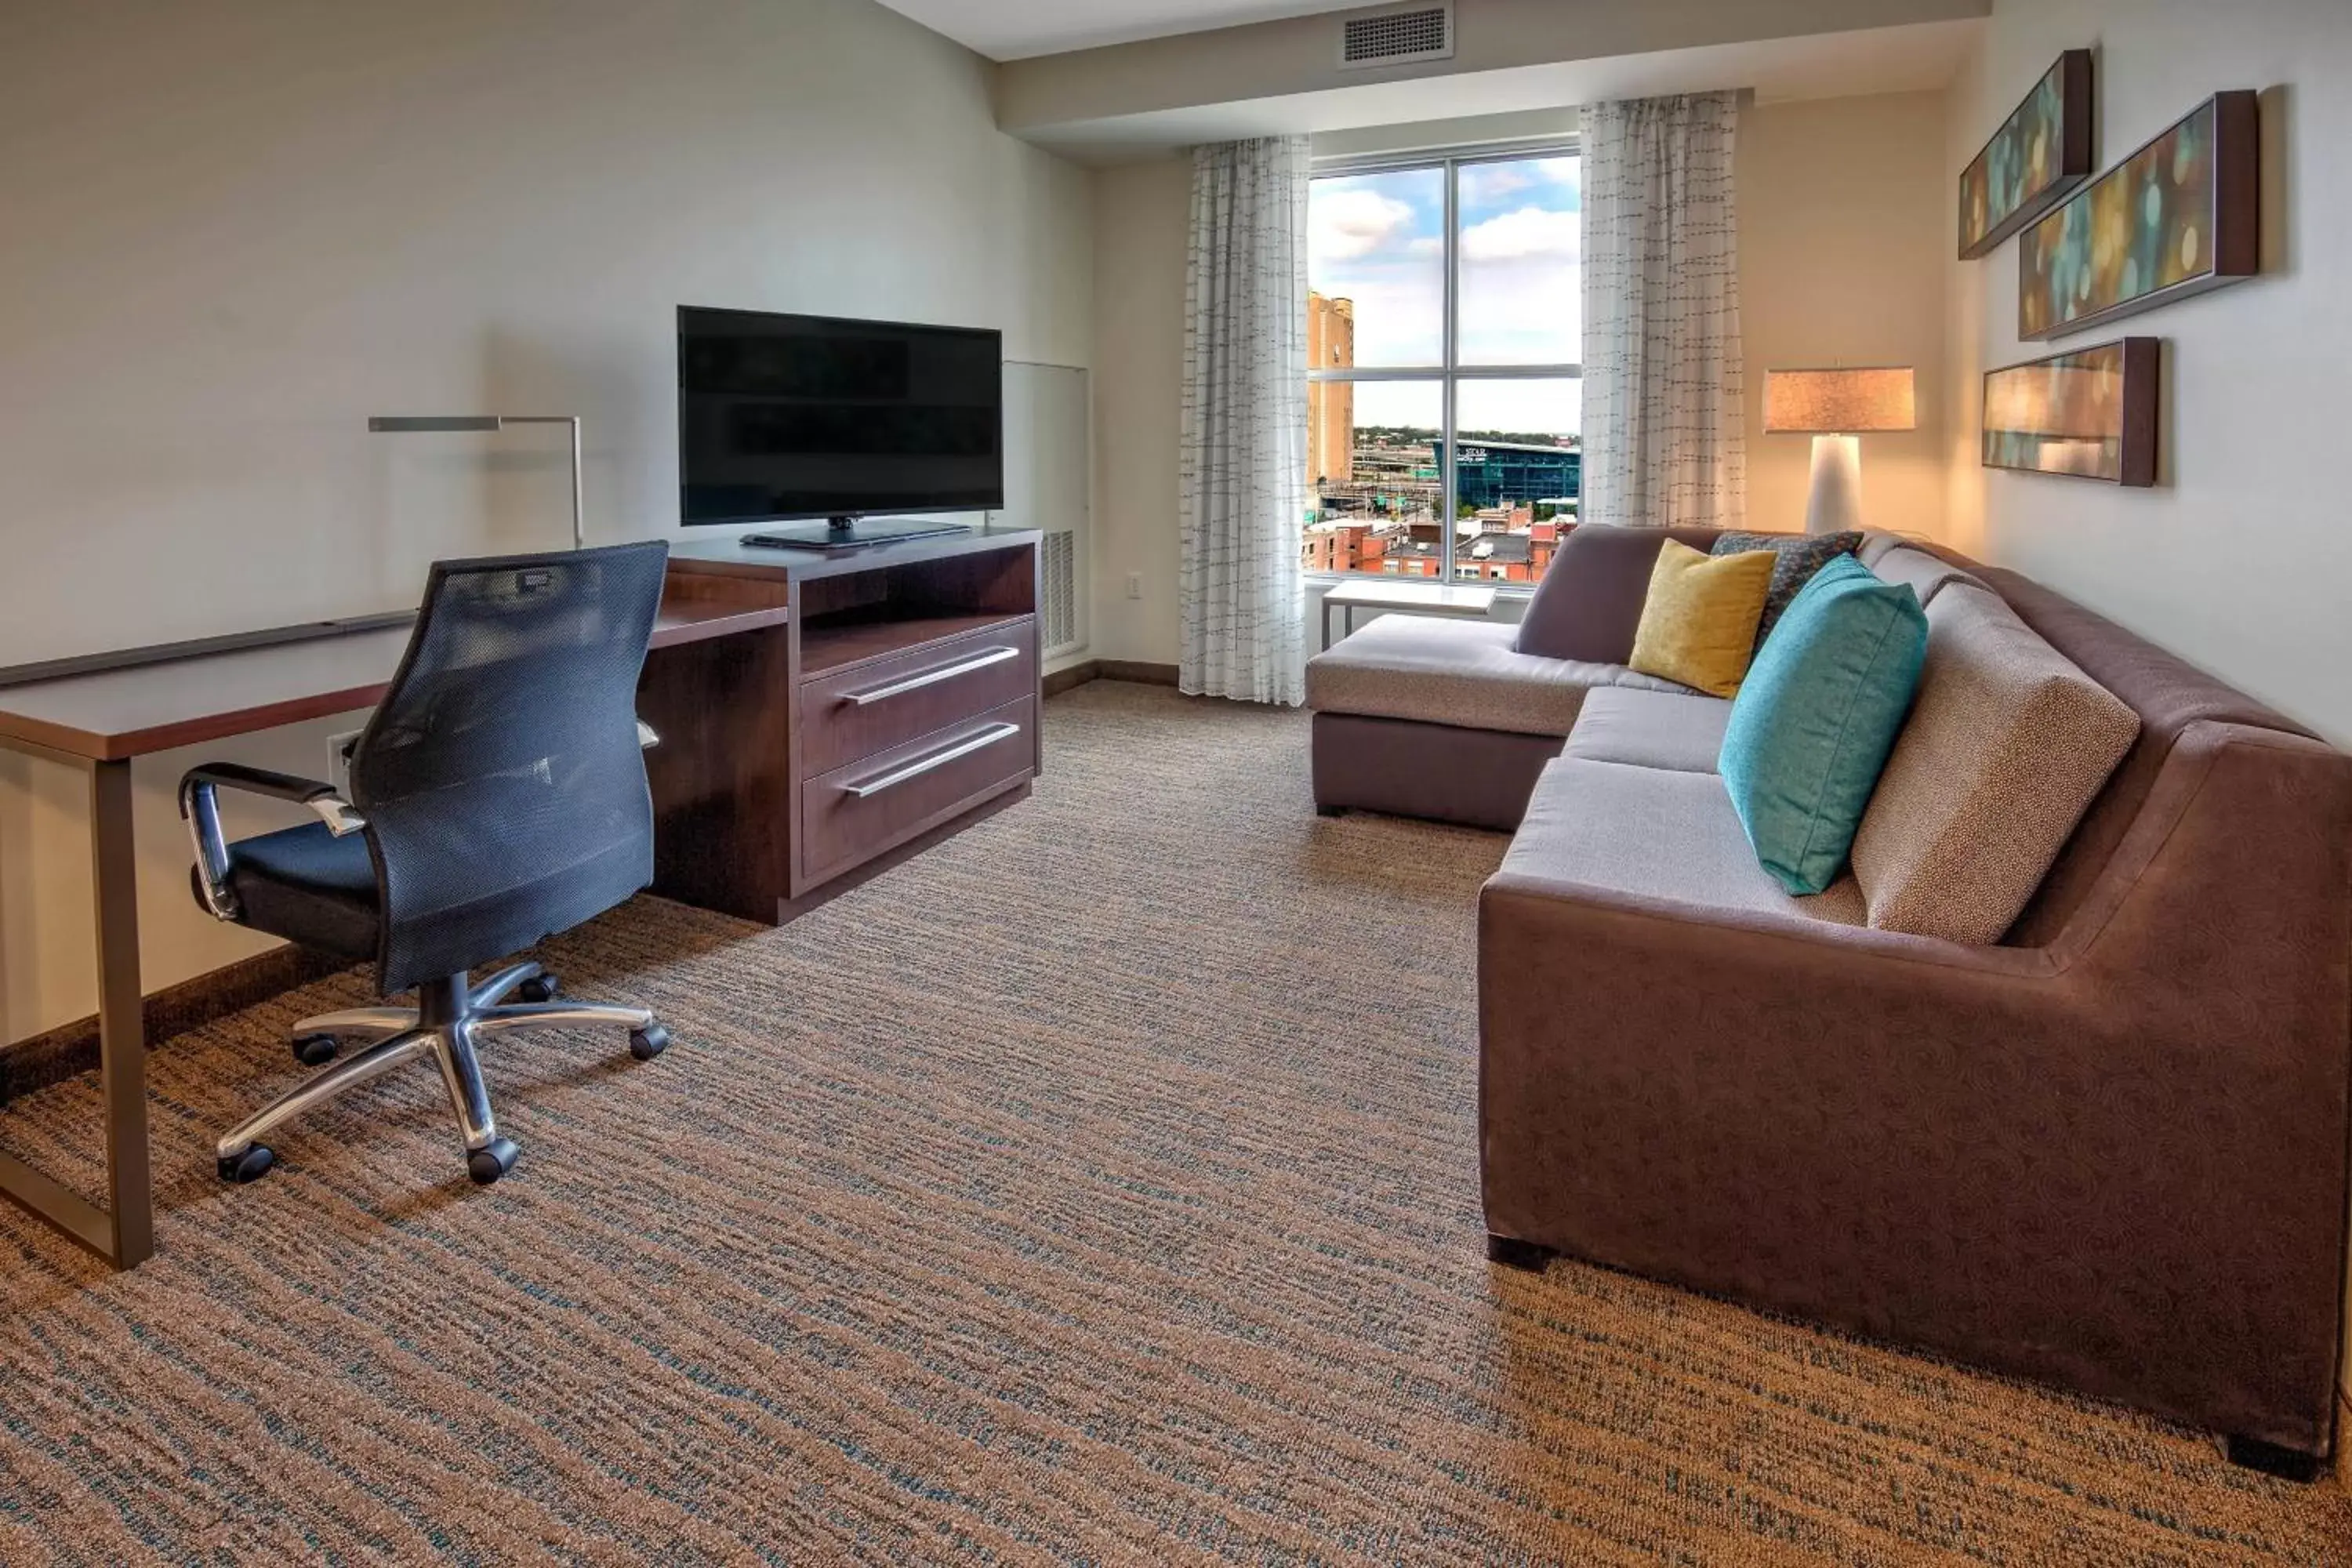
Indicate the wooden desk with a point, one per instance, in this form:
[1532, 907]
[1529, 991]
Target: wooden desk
[182, 695]
[820, 716]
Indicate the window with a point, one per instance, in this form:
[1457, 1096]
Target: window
[1444, 394]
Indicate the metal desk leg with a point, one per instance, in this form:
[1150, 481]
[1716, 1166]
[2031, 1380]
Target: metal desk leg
[121, 1022]
[124, 1235]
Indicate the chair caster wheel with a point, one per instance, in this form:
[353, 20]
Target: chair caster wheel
[537, 988]
[649, 1042]
[315, 1050]
[490, 1162]
[249, 1166]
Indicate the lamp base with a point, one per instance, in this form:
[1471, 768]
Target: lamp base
[1836, 500]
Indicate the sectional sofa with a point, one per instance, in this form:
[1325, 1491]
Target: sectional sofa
[2105, 1146]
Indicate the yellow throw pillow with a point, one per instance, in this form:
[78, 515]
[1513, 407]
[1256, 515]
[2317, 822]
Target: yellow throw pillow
[1698, 625]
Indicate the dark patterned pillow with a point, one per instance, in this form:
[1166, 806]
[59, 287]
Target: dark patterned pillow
[1802, 555]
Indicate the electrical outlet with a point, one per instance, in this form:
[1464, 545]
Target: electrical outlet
[1135, 584]
[339, 760]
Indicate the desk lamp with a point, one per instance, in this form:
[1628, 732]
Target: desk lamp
[415, 424]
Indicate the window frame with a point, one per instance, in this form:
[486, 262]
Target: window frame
[1449, 373]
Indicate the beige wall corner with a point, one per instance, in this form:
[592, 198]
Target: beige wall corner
[1142, 218]
[1841, 235]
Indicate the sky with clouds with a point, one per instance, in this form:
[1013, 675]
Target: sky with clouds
[1378, 240]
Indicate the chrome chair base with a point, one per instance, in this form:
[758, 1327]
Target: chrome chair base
[451, 1019]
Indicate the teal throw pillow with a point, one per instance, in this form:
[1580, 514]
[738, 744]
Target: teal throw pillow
[1816, 717]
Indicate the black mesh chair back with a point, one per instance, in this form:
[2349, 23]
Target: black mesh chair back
[501, 776]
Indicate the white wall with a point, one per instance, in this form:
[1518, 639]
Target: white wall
[236, 229]
[2240, 559]
[1843, 231]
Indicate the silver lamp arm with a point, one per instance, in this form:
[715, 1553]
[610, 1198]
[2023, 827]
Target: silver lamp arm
[200, 809]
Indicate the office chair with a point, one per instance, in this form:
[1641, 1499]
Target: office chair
[498, 796]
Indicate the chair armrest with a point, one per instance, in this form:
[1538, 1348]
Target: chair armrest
[256, 781]
[200, 810]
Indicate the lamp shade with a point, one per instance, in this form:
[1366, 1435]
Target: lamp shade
[1838, 401]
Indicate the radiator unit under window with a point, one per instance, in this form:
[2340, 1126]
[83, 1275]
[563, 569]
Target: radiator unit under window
[1058, 627]
[1396, 35]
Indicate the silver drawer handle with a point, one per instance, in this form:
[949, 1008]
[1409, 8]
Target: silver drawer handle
[931, 677]
[938, 759]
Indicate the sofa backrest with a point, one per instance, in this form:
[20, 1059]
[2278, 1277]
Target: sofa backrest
[1926, 573]
[2167, 692]
[1588, 605]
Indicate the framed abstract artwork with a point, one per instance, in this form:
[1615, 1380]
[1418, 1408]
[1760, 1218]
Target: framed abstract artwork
[2177, 218]
[2088, 412]
[2041, 152]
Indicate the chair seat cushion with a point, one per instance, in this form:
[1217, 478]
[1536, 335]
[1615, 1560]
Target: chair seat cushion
[1464, 673]
[1657, 833]
[1650, 730]
[309, 886]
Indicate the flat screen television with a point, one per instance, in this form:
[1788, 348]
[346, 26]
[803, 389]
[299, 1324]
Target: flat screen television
[856, 423]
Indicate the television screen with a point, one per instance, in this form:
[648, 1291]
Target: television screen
[792, 417]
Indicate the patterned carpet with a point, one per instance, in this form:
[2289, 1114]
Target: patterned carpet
[1100, 1188]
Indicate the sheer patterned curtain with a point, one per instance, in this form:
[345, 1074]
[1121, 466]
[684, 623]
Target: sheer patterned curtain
[1243, 497]
[1665, 421]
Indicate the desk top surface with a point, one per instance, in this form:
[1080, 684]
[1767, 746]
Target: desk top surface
[1434, 598]
[185, 699]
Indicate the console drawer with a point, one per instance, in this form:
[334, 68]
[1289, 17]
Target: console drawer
[857, 710]
[856, 811]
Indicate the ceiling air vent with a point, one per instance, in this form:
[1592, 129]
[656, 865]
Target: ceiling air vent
[1396, 35]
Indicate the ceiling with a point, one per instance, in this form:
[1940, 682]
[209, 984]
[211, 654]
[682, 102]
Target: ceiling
[1017, 29]
[1919, 57]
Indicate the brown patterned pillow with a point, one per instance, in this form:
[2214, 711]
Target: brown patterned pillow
[2007, 746]
[1800, 555]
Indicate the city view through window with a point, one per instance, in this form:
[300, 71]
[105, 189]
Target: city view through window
[1443, 332]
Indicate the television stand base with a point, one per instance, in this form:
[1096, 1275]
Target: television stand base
[853, 532]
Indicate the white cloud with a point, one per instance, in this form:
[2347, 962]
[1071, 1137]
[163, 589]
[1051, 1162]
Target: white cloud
[1351, 224]
[1398, 312]
[1492, 182]
[1484, 182]
[1523, 233]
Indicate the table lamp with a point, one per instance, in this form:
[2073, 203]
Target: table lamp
[402, 424]
[1835, 407]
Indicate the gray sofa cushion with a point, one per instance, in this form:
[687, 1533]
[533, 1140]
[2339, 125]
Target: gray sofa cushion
[1650, 730]
[1875, 542]
[1655, 834]
[2008, 743]
[1458, 672]
[1926, 573]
